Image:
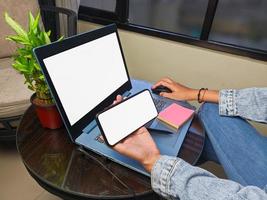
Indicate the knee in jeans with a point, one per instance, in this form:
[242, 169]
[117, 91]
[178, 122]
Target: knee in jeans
[208, 109]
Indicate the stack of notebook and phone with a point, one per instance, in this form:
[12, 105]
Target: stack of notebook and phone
[85, 73]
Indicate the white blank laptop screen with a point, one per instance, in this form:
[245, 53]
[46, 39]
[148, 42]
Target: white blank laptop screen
[86, 75]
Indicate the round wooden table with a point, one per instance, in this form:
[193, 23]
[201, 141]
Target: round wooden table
[63, 169]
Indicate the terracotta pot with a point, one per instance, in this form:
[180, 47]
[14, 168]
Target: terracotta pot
[48, 114]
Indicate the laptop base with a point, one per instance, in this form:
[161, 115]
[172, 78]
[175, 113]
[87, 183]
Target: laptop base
[169, 141]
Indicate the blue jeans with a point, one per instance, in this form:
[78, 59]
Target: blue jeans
[236, 145]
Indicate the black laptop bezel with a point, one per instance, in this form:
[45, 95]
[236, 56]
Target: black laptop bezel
[57, 47]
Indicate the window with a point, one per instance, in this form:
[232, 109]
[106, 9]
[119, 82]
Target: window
[237, 26]
[241, 23]
[100, 9]
[178, 16]
[109, 5]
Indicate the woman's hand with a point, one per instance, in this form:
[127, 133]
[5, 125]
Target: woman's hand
[139, 146]
[179, 92]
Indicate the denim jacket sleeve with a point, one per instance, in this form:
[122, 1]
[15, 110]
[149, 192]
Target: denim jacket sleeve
[250, 103]
[173, 178]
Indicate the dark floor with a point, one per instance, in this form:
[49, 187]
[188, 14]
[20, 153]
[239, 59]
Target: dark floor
[15, 182]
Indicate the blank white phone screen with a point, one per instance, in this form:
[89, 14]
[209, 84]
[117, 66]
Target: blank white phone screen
[123, 119]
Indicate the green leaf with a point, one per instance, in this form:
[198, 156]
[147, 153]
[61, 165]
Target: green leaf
[48, 33]
[34, 40]
[42, 78]
[31, 21]
[36, 22]
[31, 66]
[20, 67]
[18, 39]
[23, 51]
[61, 38]
[47, 39]
[37, 66]
[15, 26]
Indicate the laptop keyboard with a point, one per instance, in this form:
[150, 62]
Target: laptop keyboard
[159, 104]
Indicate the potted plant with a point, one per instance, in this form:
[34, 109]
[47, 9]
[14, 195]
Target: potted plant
[25, 62]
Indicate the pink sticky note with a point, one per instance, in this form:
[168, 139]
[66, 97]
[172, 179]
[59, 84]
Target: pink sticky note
[175, 115]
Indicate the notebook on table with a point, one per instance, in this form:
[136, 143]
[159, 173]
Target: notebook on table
[175, 115]
[85, 73]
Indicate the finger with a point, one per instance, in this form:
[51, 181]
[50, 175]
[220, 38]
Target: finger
[119, 98]
[157, 84]
[115, 102]
[171, 86]
[164, 82]
[142, 129]
[167, 95]
[119, 147]
[168, 80]
[139, 132]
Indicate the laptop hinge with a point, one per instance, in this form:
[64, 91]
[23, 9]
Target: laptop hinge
[90, 127]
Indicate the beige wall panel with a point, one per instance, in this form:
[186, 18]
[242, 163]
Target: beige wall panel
[151, 58]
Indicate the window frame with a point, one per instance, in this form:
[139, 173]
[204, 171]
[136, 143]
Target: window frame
[120, 17]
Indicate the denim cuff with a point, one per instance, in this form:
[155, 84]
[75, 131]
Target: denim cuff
[162, 172]
[227, 102]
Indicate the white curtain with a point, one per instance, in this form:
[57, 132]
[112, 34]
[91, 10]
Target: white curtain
[69, 4]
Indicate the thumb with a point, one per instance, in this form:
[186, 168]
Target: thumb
[119, 98]
[166, 94]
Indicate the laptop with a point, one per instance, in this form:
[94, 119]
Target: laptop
[85, 73]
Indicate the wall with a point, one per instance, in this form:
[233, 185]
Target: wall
[151, 58]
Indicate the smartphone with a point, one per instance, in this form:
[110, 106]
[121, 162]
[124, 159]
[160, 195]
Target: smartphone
[122, 119]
